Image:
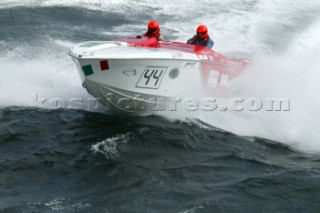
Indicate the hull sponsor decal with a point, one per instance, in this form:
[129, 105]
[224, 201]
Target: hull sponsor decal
[203, 57]
[174, 73]
[188, 64]
[130, 72]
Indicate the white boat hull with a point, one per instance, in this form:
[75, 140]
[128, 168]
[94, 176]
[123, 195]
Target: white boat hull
[130, 86]
[147, 79]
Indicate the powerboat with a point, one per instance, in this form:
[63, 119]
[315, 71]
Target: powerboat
[143, 75]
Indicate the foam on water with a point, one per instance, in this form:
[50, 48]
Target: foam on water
[109, 146]
[285, 66]
[56, 205]
[47, 79]
[293, 75]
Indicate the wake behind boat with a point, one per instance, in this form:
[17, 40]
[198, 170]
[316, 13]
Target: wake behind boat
[140, 74]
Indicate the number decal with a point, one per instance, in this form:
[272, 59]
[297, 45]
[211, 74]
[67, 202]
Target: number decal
[148, 76]
[151, 77]
[157, 76]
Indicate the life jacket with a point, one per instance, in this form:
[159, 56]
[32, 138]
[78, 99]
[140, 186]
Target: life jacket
[203, 41]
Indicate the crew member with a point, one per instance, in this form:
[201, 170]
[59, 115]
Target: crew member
[201, 38]
[154, 31]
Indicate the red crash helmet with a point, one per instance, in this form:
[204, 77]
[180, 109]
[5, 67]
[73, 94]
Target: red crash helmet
[153, 27]
[202, 32]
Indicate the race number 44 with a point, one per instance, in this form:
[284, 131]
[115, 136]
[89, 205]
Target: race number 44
[151, 77]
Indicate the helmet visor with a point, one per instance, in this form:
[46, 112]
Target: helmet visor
[152, 30]
[200, 35]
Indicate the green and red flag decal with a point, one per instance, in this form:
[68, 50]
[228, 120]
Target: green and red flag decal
[104, 65]
[87, 69]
